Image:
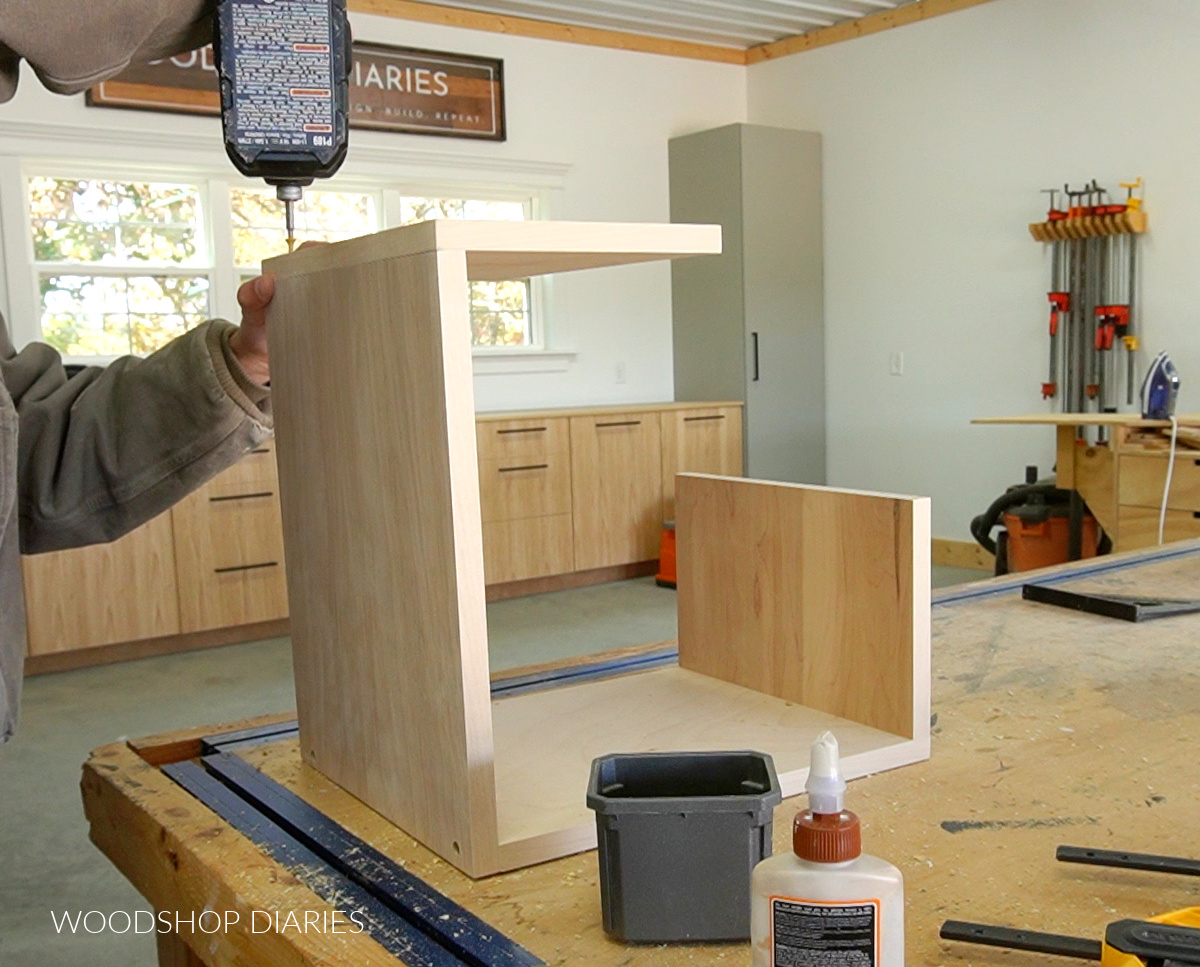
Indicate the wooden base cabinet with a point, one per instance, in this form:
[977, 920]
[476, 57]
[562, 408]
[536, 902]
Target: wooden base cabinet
[560, 492]
[229, 548]
[702, 440]
[525, 498]
[103, 594]
[616, 488]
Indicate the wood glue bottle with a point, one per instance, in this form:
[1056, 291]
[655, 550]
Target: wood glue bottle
[827, 903]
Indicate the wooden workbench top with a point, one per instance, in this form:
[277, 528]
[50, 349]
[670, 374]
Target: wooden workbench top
[1090, 419]
[1050, 727]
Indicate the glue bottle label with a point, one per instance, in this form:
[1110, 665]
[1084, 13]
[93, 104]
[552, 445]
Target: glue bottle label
[808, 934]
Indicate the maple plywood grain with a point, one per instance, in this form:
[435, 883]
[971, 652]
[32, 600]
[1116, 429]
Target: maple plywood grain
[670, 709]
[374, 406]
[811, 594]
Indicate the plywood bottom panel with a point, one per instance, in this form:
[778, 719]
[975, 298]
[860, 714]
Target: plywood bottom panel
[545, 743]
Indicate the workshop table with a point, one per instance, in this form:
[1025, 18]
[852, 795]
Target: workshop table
[1050, 726]
[1120, 472]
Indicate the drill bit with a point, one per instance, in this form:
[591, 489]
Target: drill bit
[289, 194]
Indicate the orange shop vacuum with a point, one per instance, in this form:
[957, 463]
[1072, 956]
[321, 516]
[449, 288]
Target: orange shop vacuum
[1035, 517]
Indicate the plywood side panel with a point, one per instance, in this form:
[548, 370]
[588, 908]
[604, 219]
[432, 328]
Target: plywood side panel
[81, 598]
[377, 462]
[811, 594]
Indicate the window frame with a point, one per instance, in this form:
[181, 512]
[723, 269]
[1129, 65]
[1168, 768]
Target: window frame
[215, 239]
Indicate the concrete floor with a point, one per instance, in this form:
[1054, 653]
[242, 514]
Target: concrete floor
[47, 863]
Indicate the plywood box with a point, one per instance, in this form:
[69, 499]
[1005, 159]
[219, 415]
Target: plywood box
[379, 480]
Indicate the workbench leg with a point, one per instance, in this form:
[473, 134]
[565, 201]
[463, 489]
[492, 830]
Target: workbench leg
[1075, 528]
[173, 952]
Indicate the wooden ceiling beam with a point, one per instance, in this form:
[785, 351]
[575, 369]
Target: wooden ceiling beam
[621, 40]
[852, 29]
[544, 30]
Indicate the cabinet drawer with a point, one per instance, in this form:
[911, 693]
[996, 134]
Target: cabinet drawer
[235, 597]
[515, 550]
[701, 440]
[243, 531]
[527, 440]
[1142, 478]
[514, 488]
[229, 559]
[255, 472]
[1138, 526]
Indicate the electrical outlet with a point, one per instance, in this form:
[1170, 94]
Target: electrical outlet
[896, 363]
[621, 372]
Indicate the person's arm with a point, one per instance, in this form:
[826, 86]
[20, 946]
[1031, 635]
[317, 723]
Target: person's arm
[107, 449]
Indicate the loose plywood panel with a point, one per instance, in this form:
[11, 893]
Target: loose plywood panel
[811, 594]
[377, 463]
[545, 743]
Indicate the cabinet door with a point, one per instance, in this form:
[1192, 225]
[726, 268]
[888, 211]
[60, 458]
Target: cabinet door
[103, 594]
[701, 440]
[616, 488]
[229, 548]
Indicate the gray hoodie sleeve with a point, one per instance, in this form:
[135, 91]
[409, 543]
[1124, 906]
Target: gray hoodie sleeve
[108, 449]
[73, 44]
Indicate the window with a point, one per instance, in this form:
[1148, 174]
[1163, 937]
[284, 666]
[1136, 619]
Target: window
[500, 311]
[321, 216]
[123, 265]
[119, 264]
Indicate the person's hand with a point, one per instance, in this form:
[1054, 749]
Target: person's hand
[249, 342]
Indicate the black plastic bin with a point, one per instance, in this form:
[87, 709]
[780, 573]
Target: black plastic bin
[679, 833]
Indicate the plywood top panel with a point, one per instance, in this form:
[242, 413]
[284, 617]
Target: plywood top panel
[542, 765]
[1090, 419]
[512, 250]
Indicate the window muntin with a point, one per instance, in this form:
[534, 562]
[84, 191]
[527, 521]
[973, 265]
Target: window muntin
[120, 266]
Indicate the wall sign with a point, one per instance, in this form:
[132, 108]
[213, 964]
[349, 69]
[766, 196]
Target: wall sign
[391, 89]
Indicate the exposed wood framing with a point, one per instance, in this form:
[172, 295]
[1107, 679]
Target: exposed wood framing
[852, 29]
[968, 554]
[544, 30]
[449, 16]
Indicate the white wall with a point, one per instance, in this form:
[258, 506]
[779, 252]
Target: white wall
[938, 137]
[589, 125]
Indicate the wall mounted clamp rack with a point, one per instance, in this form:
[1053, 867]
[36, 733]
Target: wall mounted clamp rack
[374, 402]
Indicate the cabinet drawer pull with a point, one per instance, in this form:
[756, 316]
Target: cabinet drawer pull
[244, 567]
[694, 419]
[264, 493]
[531, 466]
[525, 429]
[620, 423]
[261, 450]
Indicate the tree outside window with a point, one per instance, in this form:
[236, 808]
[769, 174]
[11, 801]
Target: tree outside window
[119, 264]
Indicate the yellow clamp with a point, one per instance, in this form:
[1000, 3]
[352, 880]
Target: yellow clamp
[1187, 917]
[1131, 343]
[1133, 204]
